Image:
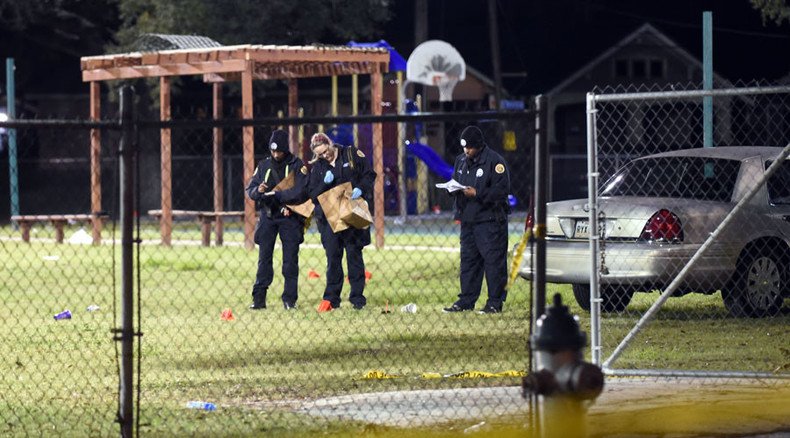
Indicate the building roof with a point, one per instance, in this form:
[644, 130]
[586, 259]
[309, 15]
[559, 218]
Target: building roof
[152, 42]
[645, 29]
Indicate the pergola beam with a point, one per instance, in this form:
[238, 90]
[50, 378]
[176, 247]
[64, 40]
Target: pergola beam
[154, 71]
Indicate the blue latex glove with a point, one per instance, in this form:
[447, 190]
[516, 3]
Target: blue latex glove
[329, 177]
[356, 193]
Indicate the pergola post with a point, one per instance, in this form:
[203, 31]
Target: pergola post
[217, 157]
[378, 158]
[293, 98]
[249, 153]
[166, 222]
[95, 115]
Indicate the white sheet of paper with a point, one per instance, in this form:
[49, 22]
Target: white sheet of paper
[451, 186]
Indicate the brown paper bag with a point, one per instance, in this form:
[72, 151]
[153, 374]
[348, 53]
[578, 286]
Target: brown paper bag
[356, 213]
[286, 183]
[331, 201]
[304, 209]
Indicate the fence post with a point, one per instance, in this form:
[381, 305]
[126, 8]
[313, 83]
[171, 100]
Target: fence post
[539, 234]
[13, 168]
[126, 156]
[592, 203]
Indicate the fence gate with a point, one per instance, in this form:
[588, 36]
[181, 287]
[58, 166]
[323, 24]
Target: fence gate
[652, 315]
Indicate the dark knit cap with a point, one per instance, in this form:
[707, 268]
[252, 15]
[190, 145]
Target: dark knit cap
[279, 141]
[472, 137]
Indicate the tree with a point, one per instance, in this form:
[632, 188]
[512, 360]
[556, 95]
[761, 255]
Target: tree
[253, 21]
[47, 37]
[232, 22]
[776, 10]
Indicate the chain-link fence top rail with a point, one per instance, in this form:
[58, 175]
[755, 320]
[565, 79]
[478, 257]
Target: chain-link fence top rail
[728, 314]
[272, 369]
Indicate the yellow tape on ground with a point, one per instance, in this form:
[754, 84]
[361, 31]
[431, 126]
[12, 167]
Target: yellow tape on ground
[483, 374]
[383, 375]
[516, 263]
[379, 375]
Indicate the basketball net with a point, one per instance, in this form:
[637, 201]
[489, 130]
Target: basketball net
[446, 85]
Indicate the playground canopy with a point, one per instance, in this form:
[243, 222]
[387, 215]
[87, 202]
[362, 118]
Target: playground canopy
[397, 63]
[243, 63]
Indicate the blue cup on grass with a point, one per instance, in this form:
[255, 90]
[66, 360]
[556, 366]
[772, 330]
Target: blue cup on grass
[66, 314]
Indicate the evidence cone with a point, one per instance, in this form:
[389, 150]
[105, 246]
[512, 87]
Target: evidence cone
[325, 306]
[227, 315]
[313, 274]
[368, 275]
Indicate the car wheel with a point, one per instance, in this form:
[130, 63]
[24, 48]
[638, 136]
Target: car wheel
[614, 298]
[756, 291]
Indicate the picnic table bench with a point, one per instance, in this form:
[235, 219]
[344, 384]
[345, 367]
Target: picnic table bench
[206, 219]
[57, 220]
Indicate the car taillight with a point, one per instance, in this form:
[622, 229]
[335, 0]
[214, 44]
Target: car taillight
[529, 222]
[663, 226]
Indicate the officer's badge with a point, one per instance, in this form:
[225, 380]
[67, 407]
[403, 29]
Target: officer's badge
[360, 154]
[500, 168]
[479, 173]
[303, 170]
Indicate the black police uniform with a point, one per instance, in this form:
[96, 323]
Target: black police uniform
[483, 227]
[272, 222]
[350, 166]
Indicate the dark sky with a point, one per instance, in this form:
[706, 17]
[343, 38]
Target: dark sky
[551, 39]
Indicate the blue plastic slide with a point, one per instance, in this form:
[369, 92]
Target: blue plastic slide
[431, 159]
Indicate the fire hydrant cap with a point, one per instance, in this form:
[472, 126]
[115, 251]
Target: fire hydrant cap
[558, 330]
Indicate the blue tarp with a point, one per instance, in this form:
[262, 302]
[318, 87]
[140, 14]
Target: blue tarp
[431, 159]
[397, 63]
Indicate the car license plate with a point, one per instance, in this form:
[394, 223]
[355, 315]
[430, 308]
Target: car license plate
[582, 230]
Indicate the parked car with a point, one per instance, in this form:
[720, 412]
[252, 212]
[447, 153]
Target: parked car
[655, 213]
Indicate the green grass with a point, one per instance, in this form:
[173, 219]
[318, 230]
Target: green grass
[61, 376]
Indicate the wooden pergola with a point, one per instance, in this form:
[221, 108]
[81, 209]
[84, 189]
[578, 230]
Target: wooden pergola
[243, 63]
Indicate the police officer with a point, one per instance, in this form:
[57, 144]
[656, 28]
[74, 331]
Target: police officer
[482, 208]
[276, 219]
[333, 165]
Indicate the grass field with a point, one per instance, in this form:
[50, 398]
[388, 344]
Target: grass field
[61, 376]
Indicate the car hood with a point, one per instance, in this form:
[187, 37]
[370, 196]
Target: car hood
[625, 217]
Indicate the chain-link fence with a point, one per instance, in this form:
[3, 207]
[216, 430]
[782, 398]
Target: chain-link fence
[205, 363]
[694, 255]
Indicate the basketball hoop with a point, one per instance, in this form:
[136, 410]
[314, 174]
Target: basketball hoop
[446, 84]
[436, 63]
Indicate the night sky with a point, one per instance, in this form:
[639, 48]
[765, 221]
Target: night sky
[548, 39]
[552, 39]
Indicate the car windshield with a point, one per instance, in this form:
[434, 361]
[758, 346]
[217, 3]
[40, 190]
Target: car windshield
[700, 178]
